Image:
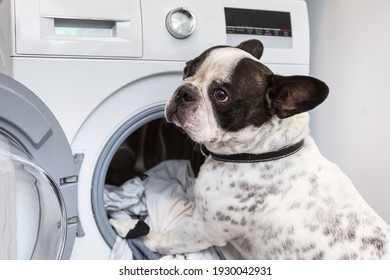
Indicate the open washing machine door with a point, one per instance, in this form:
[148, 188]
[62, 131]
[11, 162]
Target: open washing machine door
[38, 179]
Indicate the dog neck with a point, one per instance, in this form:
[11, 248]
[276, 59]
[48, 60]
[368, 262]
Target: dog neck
[272, 136]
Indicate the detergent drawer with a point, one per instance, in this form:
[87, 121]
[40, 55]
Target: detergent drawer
[102, 28]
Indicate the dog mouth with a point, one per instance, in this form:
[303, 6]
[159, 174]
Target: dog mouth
[171, 113]
[178, 115]
[175, 118]
[191, 119]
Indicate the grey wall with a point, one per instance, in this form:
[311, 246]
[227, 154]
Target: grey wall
[350, 51]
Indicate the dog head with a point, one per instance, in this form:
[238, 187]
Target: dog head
[227, 89]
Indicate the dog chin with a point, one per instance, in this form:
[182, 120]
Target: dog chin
[194, 128]
[200, 136]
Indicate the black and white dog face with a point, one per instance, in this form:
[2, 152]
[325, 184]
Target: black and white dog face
[227, 89]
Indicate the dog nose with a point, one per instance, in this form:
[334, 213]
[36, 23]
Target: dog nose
[185, 94]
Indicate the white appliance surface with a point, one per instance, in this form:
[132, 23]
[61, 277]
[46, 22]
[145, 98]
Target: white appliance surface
[98, 69]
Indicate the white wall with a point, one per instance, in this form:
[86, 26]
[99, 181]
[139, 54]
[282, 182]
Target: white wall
[350, 51]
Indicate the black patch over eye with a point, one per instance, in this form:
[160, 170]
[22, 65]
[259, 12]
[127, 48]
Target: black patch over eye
[221, 96]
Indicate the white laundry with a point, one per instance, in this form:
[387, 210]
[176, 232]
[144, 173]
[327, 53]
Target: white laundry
[122, 222]
[129, 197]
[121, 250]
[168, 194]
[168, 197]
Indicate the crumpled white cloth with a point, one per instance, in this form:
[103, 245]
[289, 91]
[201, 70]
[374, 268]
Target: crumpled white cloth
[167, 193]
[129, 197]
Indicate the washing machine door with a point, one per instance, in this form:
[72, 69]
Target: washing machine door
[38, 179]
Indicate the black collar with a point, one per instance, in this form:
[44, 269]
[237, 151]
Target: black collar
[250, 158]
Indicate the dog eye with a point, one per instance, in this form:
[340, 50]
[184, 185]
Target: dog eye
[220, 95]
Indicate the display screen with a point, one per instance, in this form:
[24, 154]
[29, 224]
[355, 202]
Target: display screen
[84, 28]
[274, 25]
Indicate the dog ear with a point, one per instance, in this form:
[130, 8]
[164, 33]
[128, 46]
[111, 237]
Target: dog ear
[254, 47]
[292, 95]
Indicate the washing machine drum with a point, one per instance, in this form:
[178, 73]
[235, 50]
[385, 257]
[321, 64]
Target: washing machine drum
[38, 179]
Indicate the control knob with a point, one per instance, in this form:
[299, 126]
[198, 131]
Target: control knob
[180, 23]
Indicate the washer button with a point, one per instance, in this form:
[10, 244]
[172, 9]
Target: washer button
[180, 23]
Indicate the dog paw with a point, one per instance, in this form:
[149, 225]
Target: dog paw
[153, 241]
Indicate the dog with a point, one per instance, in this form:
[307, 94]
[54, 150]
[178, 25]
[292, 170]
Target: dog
[264, 185]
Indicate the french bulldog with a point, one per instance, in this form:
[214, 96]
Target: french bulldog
[264, 186]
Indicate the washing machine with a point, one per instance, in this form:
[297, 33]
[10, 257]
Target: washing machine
[82, 99]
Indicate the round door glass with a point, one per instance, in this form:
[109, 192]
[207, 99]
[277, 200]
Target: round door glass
[32, 214]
